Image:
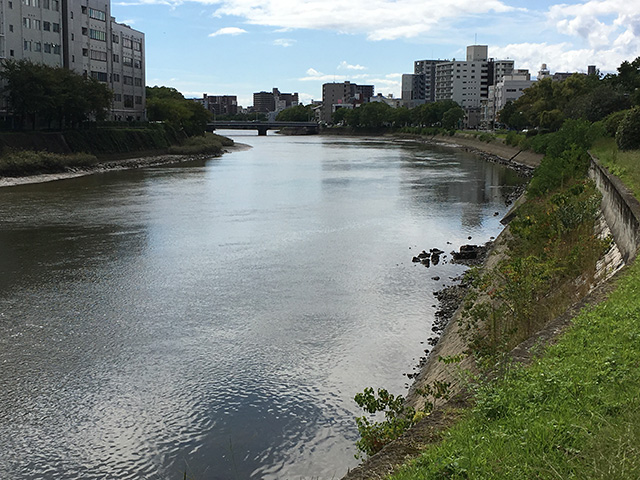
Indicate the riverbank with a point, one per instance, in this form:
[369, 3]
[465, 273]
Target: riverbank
[454, 344]
[107, 163]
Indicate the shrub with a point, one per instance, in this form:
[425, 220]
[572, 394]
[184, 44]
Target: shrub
[23, 163]
[612, 122]
[628, 134]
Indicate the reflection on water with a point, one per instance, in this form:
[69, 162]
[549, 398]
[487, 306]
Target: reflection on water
[218, 317]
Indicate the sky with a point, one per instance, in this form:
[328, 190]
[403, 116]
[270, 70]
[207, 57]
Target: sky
[238, 47]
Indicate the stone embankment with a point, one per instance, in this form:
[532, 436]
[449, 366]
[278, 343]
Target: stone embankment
[620, 219]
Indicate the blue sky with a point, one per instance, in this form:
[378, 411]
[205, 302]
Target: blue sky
[237, 47]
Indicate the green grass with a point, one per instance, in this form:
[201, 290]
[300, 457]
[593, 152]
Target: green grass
[209, 143]
[22, 163]
[575, 413]
[624, 164]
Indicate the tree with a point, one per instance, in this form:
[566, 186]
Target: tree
[299, 113]
[628, 134]
[452, 117]
[375, 114]
[166, 104]
[40, 94]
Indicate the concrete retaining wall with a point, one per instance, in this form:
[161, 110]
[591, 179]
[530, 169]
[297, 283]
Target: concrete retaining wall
[620, 208]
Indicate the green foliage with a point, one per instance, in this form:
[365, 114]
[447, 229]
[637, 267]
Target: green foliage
[628, 134]
[166, 104]
[209, 144]
[119, 140]
[612, 121]
[25, 162]
[299, 113]
[42, 95]
[375, 435]
[398, 416]
[575, 413]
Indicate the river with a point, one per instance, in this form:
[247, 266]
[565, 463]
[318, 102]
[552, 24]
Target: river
[218, 317]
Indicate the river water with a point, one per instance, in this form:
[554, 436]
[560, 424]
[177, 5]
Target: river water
[217, 317]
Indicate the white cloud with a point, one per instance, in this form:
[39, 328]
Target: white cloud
[377, 19]
[284, 42]
[228, 31]
[346, 66]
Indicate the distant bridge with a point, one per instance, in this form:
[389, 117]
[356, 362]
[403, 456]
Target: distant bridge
[262, 127]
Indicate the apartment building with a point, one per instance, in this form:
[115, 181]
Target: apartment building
[341, 95]
[467, 82]
[80, 35]
[427, 68]
[508, 89]
[220, 104]
[274, 101]
[413, 89]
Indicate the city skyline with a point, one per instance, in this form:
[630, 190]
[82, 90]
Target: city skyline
[238, 47]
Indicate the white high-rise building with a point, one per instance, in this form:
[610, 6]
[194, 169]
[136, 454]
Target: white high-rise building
[80, 35]
[467, 82]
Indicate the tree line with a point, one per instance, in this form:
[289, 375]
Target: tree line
[40, 95]
[547, 103]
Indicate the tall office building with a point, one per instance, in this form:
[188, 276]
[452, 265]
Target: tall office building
[80, 35]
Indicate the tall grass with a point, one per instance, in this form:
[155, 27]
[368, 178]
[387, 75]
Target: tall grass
[23, 163]
[624, 164]
[208, 144]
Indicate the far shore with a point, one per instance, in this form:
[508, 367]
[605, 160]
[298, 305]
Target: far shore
[105, 165]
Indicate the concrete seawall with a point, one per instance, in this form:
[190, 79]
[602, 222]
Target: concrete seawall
[620, 208]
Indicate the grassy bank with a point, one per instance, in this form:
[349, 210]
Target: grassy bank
[575, 413]
[33, 154]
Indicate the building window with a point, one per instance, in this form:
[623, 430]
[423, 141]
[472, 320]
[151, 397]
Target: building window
[46, 26]
[11, 53]
[127, 61]
[117, 97]
[85, 52]
[85, 31]
[126, 43]
[56, 48]
[115, 38]
[137, 46]
[37, 47]
[47, 48]
[45, 4]
[27, 45]
[138, 100]
[56, 5]
[116, 58]
[98, 55]
[11, 6]
[116, 77]
[128, 101]
[97, 35]
[100, 76]
[137, 63]
[137, 82]
[26, 22]
[97, 14]
[11, 28]
[56, 27]
[83, 9]
[127, 80]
